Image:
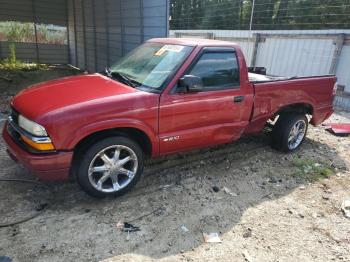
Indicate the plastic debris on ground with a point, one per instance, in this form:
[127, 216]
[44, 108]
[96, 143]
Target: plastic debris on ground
[247, 233]
[184, 228]
[228, 191]
[345, 207]
[120, 224]
[5, 259]
[212, 238]
[127, 227]
[246, 256]
[338, 128]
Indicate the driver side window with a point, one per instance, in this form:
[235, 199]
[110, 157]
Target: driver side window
[218, 70]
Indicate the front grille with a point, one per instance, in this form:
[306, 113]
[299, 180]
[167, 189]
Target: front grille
[14, 115]
[13, 133]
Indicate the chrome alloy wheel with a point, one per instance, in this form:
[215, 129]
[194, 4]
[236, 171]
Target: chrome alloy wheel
[297, 134]
[113, 168]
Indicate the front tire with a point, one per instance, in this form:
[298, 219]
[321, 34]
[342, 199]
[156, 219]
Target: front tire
[289, 132]
[110, 167]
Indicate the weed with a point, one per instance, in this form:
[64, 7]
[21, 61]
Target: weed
[21, 66]
[312, 170]
[12, 64]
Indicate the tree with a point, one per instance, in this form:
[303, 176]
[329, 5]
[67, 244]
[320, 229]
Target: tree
[281, 11]
[268, 14]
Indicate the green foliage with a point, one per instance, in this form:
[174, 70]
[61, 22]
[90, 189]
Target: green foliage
[17, 31]
[12, 64]
[268, 14]
[12, 58]
[21, 66]
[312, 170]
[25, 32]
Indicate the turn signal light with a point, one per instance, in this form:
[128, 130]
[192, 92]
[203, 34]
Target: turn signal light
[38, 146]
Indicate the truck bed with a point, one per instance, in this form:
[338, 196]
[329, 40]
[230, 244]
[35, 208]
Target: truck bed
[273, 93]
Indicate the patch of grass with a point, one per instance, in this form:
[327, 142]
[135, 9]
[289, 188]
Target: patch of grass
[21, 66]
[312, 170]
[12, 64]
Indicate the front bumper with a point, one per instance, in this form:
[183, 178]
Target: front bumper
[52, 167]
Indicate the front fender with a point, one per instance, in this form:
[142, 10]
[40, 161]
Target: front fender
[112, 124]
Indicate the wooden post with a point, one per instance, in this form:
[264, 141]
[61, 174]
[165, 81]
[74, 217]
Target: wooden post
[339, 42]
[256, 37]
[252, 16]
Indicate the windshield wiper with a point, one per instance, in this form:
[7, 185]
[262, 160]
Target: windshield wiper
[125, 79]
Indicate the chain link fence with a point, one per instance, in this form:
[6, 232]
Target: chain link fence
[259, 14]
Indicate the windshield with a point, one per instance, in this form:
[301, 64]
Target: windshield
[151, 64]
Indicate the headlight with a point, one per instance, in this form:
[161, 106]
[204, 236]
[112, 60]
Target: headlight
[31, 127]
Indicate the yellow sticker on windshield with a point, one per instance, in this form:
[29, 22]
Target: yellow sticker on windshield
[159, 52]
[170, 48]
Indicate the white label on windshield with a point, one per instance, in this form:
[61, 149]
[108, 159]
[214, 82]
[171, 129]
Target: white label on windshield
[170, 48]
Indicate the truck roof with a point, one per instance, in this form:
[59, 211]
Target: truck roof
[192, 41]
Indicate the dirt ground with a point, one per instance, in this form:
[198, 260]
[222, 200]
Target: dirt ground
[269, 206]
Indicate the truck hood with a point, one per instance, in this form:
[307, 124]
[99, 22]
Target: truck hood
[40, 99]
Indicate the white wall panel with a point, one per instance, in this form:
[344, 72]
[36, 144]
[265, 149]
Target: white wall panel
[343, 68]
[295, 57]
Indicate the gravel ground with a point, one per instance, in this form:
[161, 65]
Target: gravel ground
[269, 206]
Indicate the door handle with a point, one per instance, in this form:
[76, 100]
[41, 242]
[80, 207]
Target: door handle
[238, 99]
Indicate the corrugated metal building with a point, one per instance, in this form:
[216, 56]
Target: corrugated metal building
[36, 12]
[99, 31]
[102, 31]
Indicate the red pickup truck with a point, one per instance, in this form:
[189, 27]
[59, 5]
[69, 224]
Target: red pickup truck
[166, 96]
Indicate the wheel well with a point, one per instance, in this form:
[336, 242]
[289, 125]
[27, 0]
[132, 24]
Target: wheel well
[296, 108]
[133, 133]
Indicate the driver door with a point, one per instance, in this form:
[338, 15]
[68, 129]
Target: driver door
[214, 115]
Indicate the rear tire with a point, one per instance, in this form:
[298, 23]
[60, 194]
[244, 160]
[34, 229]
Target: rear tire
[289, 132]
[110, 167]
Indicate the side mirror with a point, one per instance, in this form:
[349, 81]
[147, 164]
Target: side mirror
[190, 83]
